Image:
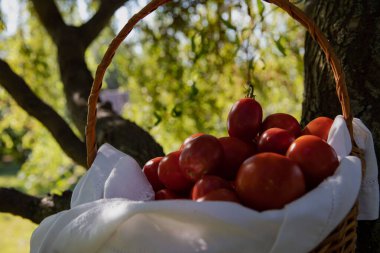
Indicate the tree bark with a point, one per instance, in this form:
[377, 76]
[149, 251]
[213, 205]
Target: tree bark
[33, 208]
[353, 28]
[72, 43]
[34, 106]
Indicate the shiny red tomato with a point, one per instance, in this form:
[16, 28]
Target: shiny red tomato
[269, 181]
[201, 156]
[317, 158]
[244, 119]
[188, 139]
[207, 184]
[171, 175]
[275, 140]
[235, 152]
[233, 185]
[221, 194]
[319, 127]
[284, 121]
[167, 194]
[150, 170]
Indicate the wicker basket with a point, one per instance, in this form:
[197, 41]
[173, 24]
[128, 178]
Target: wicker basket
[343, 238]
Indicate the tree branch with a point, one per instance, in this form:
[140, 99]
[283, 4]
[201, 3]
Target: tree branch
[71, 43]
[50, 17]
[35, 107]
[31, 207]
[126, 136]
[91, 29]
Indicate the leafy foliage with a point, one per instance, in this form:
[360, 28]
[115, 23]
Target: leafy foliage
[186, 66]
[44, 167]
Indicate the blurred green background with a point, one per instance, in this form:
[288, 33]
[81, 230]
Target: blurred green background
[16, 230]
[182, 69]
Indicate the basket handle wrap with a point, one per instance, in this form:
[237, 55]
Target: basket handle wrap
[290, 8]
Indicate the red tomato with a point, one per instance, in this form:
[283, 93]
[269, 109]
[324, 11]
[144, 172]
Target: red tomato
[235, 152]
[188, 139]
[319, 127]
[275, 140]
[233, 185]
[284, 121]
[256, 139]
[166, 194]
[244, 119]
[220, 194]
[171, 175]
[317, 158]
[201, 156]
[207, 184]
[269, 181]
[150, 170]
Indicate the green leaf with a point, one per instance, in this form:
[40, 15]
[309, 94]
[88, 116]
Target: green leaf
[2, 26]
[194, 91]
[158, 118]
[263, 62]
[193, 45]
[246, 32]
[280, 47]
[177, 111]
[237, 43]
[228, 24]
[250, 64]
[261, 8]
[249, 7]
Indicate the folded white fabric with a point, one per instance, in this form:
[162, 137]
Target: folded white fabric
[111, 212]
[339, 138]
[112, 175]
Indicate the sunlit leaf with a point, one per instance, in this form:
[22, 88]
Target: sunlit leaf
[228, 24]
[261, 8]
[193, 91]
[280, 47]
[158, 118]
[2, 23]
[263, 62]
[193, 45]
[2, 26]
[249, 7]
[177, 110]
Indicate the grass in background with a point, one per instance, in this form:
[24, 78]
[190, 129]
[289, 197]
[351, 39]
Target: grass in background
[16, 231]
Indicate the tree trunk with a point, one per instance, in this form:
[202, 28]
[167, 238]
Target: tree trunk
[75, 75]
[72, 43]
[77, 79]
[353, 29]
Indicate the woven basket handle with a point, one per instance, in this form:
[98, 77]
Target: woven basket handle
[291, 9]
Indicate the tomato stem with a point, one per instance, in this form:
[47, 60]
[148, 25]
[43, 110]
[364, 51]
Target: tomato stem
[251, 90]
